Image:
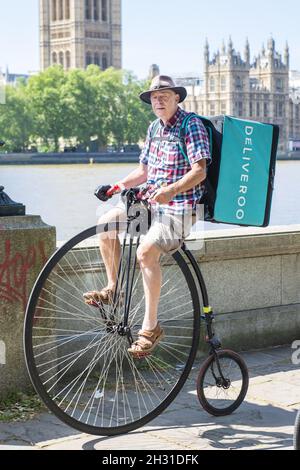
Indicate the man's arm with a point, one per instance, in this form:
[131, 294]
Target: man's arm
[191, 179]
[135, 178]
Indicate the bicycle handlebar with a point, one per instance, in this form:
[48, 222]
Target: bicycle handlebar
[104, 193]
[113, 190]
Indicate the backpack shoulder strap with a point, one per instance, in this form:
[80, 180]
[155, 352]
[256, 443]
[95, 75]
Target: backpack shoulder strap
[154, 129]
[182, 134]
[183, 131]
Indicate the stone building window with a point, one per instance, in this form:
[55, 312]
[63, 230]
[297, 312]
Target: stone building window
[68, 60]
[88, 59]
[266, 110]
[251, 109]
[67, 9]
[223, 107]
[279, 84]
[104, 12]
[96, 10]
[88, 9]
[97, 59]
[239, 108]
[61, 58]
[223, 83]
[281, 109]
[60, 10]
[212, 84]
[212, 109]
[54, 10]
[238, 83]
[257, 109]
[104, 61]
[54, 58]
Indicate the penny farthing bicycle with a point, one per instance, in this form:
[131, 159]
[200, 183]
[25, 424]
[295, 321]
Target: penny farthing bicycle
[77, 354]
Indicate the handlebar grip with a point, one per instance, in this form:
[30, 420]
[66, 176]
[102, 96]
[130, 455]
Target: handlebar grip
[101, 193]
[104, 193]
[113, 190]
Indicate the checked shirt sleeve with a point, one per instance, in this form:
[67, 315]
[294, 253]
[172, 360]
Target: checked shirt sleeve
[197, 142]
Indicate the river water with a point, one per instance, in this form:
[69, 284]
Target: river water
[63, 194]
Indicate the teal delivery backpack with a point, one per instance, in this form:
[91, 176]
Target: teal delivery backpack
[240, 179]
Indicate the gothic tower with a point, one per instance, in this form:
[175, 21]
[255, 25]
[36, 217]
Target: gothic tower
[258, 90]
[270, 76]
[226, 78]
[77, 33]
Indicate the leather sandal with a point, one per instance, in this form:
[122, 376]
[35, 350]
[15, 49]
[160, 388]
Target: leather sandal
[146, 342]
[104, 296]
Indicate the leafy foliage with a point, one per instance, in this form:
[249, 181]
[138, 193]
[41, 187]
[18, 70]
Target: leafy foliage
[20, 407]
[78, 106]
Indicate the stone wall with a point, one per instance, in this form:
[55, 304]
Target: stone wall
[25, 245]
[253, 282]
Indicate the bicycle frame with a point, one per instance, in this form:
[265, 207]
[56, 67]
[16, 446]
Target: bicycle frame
[207, 316]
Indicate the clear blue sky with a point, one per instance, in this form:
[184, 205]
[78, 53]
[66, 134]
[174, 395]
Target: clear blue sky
[170, 33]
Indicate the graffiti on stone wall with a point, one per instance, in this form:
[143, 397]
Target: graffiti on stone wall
[15, 268]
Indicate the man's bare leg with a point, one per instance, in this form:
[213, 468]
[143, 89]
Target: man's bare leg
[149, 258]
[110, 249]
[109, 244]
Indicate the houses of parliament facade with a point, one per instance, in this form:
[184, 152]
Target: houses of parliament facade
[77, 33]
[259, 91]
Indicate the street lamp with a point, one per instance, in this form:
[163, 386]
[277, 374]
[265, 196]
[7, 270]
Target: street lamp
[7, 206]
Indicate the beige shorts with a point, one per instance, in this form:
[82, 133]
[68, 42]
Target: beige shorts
[167, 231]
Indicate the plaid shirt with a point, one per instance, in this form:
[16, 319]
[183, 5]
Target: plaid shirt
[167, 164]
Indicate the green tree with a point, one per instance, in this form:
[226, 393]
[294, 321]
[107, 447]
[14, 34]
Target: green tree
[110, 92]
[79, 97]
[138, 114]
[81, 105]
[128, 117]
[50, 113]
[16, 121]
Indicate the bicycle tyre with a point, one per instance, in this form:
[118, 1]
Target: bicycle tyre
[213, 403]
[297, 432]
[33, 321]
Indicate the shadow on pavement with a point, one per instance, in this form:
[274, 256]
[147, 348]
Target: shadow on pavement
[264, 420]
[252, 426]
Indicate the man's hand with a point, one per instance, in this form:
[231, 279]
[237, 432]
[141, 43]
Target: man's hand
[163, 195]
[101, 193]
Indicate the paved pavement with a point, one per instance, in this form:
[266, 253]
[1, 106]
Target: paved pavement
[264, 421]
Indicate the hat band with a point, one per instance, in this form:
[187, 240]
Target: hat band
[158, 87]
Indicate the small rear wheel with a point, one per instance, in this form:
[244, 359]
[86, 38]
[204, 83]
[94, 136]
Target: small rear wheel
[222, 383]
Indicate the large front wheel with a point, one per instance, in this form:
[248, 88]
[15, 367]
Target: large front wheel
[77, 354]
[297, 432]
